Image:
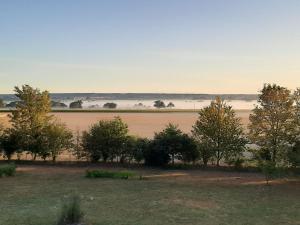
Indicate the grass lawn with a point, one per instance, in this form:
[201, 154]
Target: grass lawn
[34, 197]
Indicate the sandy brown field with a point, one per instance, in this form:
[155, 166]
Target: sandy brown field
[141, 124]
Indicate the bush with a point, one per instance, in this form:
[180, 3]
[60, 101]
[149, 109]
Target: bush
[71, 213]
[105, 140]
[108, 174]
[169, 145]
[7, 170]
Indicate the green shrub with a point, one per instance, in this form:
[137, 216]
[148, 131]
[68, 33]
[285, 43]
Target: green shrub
[71, 213]
[108, 174]
[269, 170]
[7, 170]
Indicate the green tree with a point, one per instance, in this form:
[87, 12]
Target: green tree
[110, 105]
[171, 105]
[294, 155]
[77, 149]
[272, 125]
[105, 139]
[159, 104]
[76, 104]
[219, 130]
[169, 145]
[30, 118]
[2, 105]
[9, 143]
[58, 138]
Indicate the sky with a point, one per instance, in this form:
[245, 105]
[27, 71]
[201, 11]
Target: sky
[161, 46]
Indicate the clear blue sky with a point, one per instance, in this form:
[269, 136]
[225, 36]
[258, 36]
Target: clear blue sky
[186, 46]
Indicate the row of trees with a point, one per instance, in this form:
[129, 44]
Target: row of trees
[217, 136]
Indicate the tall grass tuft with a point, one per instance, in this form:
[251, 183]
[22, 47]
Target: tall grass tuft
[71, 213]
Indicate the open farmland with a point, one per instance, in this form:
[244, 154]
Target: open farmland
[143, 124]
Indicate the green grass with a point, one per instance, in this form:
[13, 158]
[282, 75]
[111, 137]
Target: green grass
[35, 196]
[108, 174]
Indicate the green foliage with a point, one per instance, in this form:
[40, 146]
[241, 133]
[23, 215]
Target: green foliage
[57, 138]
[55, 104]
[105, 139]
[9, 142]
[110, 105]
[171, 105]
[30, 118]
[141, 146]
[269, 170]
[7, 170]
[219, 133]
[71, 213]
[2, 105]
[108, 174]
[77, 149]
[76, 104]
[272, 126]
[169, 145]
[159, 104]
[294, 155]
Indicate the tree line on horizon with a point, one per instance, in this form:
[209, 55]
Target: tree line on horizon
[217, 136]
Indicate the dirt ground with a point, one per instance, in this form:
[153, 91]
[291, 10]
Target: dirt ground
[141, 124]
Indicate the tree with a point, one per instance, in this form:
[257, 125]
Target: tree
[105, 139]
[159, 104]
[9, 143]
[55, 104]
[272, 126]
[30, 118]
[110, 105]
[2, 105]
[171, 105]
[141, 146]
[294, 155]
[58, 138]
[296, 97]
[77, 149]
[219, 131]
[170, 144]
[76, 104]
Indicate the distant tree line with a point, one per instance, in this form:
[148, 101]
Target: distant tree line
[217, 136]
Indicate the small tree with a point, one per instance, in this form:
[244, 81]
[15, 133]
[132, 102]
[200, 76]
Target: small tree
[77, 149]
[269, 170]
[2, 105]
[30, 118]
[294, 155]
[76, 104]
[110, 105]
[170, 144]
[105, 139]
[9, 143]
[219, 130]
[141, 146]
[58, 138]
[171, 105]
[272, 126]
[159, 104]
